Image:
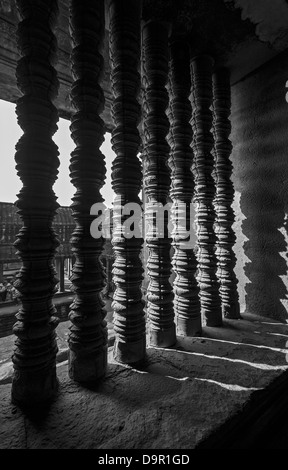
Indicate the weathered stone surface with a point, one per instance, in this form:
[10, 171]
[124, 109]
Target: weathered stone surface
[6, 373]
[88, 332]
[259, 138]
[160, 311]
[128, 305]
[203, 166]
[62, 332]
[9, 56]
[186, 290]
[37, 164]
[176, 400]
[224, 196]
[239, 45]
[270, 20]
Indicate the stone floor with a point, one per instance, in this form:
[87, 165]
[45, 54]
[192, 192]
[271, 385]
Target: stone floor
[175, 401]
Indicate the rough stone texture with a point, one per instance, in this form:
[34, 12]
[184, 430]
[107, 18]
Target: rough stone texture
[88, 333]
[186, 291]
[9, 56]
[128, 305]
[172, 403]
[224, 195]
[7, 346]
[37, 165]
[259, 137]
[205, 190]
[270, 18]
[156, 183]
[233, 39]
[8, 312]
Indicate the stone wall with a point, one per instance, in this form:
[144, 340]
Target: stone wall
[260, 159]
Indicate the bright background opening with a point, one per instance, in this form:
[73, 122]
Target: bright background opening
[10, 183]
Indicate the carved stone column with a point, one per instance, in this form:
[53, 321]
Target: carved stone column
[88, 332]
[157, 184]
[202, 119]
[129, 320]
[34, 359]
[186, 301]
[224, 195]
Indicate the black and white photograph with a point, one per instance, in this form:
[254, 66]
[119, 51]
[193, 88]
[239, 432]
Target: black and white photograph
[143, 228]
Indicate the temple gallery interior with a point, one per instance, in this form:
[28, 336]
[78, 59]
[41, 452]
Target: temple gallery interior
[162, 331]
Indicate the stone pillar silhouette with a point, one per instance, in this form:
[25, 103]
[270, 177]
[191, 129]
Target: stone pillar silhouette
[88, 332]
[128, 306]
[224, 195]
[186, 301]
[202, 119]
[36, 157]
[160, 309]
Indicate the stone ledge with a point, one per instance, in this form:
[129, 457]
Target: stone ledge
[174, 401]
[6, 369]
[260, 424]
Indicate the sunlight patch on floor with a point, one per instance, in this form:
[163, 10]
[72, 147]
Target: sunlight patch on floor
[259, 346]
[277, 334]
[228, 359]
[232, 387]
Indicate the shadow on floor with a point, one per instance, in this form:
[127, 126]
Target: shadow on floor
[175, 401]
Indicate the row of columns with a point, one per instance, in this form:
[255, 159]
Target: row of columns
[60, 270]
[183, 159]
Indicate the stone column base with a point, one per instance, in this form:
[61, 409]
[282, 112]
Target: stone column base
[87, 367]
[34, 388]
[191, 327]
[133, 352]
[162, 338]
